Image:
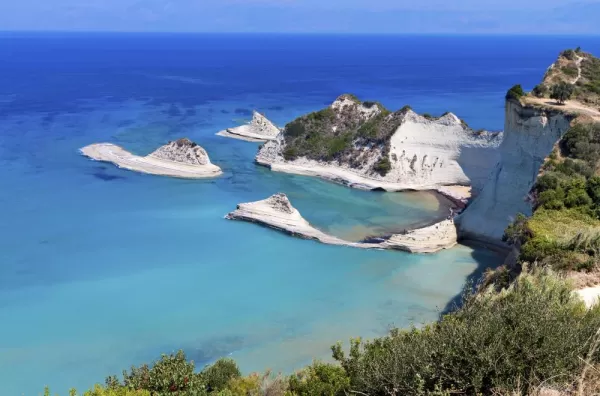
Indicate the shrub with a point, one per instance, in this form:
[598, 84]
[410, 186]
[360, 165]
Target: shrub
[383, 166]
[561, 92]
[218, 375]
[540, 90]
[569, 54]
[516, 92]
[319, 379]
[171, 373]
[534, 330]
[570, 71]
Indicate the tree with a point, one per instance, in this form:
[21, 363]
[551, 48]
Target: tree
[515, 92]
[561, 92]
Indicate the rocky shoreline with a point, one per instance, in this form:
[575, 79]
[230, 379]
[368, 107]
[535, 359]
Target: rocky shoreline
[181, 158]
[278, 213]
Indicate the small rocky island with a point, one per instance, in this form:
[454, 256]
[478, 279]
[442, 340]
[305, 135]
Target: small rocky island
[277, 212]
[181, 158]
[259, 129]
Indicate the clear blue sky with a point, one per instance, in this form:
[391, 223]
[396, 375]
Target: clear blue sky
[353, 16]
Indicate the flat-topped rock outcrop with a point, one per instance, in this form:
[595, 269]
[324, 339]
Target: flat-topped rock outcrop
[181, 158]
[259, 129]
[363, 145]
[277, 212]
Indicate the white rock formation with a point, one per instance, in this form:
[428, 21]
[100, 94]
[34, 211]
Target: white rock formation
[181, 158]
[259, 129]
[277, 212]
[424, 154]
[529, 136]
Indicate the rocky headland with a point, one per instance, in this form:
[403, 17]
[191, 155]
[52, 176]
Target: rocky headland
[364, 145]
[181, 158]
[259, 129]
[277, 212]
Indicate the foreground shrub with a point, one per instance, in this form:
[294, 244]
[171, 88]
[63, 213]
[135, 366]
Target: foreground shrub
[535, 330]
[319, 379]
[217, 376]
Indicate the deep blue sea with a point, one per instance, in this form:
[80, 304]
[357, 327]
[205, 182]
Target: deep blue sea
[101, 268]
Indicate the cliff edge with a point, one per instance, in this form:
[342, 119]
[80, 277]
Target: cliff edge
[535, 123]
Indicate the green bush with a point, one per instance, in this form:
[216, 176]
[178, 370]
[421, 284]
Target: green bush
[171, 373]
[217, 376]
[383, 166]
[319, 379]
[570, 71]
[561, 92]
[536, 330]
[569, 54]
[540, 90]
[516, 92]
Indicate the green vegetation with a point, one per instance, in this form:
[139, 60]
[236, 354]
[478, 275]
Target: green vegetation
[533, 332]
[328, 135]
[570, 71]
[516, 92]
[564, 231]
[570, 54]
[590, 78]
[540, 90]
[561, 91]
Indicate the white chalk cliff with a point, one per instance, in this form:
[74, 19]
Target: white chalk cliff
[259, 129]
[277, 212]
[181, 158]
[424, 152]
[530, 133]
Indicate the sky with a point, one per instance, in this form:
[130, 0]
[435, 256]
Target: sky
[306, 16]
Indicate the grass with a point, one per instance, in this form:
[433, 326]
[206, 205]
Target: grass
[561, 225]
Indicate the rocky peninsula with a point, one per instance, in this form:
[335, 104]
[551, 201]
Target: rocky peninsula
[259, 129]
[277, 212]
[181, 158]
[364, 145]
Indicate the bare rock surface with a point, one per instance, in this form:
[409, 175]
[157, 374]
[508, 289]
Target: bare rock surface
[259, 129]
[277, 212]
[181, 158]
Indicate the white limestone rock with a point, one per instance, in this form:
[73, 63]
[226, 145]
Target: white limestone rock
[424, 153]
[277, 212]
[181, 158]
[529, 136]
[259, 129]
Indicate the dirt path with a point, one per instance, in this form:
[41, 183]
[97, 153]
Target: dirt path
[572, 105]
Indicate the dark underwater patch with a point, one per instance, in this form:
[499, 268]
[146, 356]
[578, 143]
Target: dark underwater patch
[244, 112]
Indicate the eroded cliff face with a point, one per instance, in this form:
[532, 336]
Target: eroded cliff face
[421, 152]
[530, 134]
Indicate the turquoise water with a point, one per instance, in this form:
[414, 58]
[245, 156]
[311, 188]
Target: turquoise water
[101, 268]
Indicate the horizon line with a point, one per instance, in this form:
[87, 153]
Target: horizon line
[307, 33]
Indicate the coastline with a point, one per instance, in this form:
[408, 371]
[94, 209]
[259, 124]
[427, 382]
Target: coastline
[150, 164]
[456, 193]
